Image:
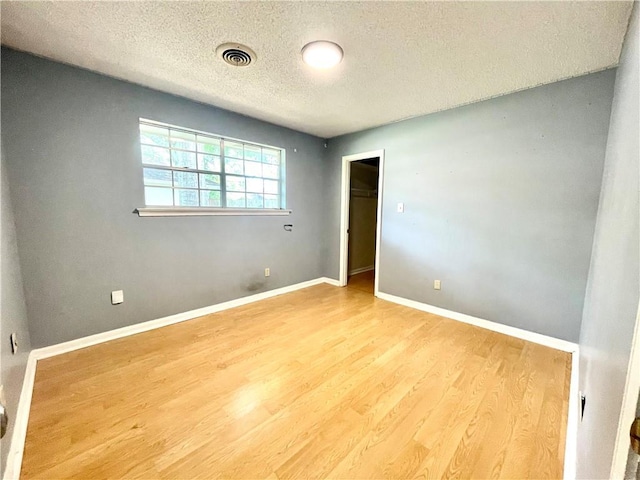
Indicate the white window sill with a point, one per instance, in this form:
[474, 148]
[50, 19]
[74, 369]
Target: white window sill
[203, 211]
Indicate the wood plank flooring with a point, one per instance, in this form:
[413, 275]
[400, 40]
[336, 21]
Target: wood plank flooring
[362, 281]
[324, 382]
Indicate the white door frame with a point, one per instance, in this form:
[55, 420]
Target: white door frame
[344, 214]
[629, 403]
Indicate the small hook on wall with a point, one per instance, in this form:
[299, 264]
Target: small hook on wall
[288, 227]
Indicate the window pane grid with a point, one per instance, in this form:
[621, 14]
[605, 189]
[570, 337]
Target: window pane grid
[203, 170]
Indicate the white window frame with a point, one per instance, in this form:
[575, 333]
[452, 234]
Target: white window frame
[172, 211]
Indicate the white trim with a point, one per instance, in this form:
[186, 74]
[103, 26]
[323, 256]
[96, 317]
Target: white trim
[376, 277]
[571, 442]
[331, 281]
[344, 222]
[163, 322]
[16, 448]
[573, 419]
[204, 211]
[356, 271]
[629, 404]
[552, 342]
[344, 213]
[201, 132]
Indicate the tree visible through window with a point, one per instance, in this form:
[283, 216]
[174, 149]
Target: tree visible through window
[185, 168]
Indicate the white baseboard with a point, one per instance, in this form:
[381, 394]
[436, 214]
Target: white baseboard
[163, 322]
[356, 271]
[552, 342]
[571, 443]
[16, 447]
[16, 450]
[331, 281]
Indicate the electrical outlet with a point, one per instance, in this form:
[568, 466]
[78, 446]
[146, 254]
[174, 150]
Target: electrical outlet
[117, 297]
[14, 342]
[436, 284]
[267, 272]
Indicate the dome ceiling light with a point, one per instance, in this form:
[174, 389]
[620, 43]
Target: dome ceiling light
[322, 54]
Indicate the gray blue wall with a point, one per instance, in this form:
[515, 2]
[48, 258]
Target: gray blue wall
[614, 281]
[71, 141]
[501, 199]
[13, 315]
[500, 203]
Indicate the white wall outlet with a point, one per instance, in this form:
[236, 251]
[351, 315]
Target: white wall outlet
[117, 296]
[267, 272]
[400, 207]
[436, 284]
[14, 342]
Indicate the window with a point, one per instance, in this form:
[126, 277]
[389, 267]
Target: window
[186, 168]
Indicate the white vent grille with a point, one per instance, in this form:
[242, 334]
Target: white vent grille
[236, 54]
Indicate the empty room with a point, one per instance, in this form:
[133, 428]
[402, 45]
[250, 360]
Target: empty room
[341, 240]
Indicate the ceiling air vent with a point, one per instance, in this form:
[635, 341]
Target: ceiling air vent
[236, 54]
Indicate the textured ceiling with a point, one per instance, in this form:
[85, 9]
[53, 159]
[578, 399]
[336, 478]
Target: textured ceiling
[401, 59]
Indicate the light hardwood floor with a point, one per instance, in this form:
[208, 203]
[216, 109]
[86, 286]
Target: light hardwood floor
[362, 281]
[324, 382]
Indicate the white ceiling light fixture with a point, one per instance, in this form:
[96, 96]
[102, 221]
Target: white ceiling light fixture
[322, 54]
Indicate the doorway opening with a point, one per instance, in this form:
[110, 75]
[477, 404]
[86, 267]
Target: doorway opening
[360, 220]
